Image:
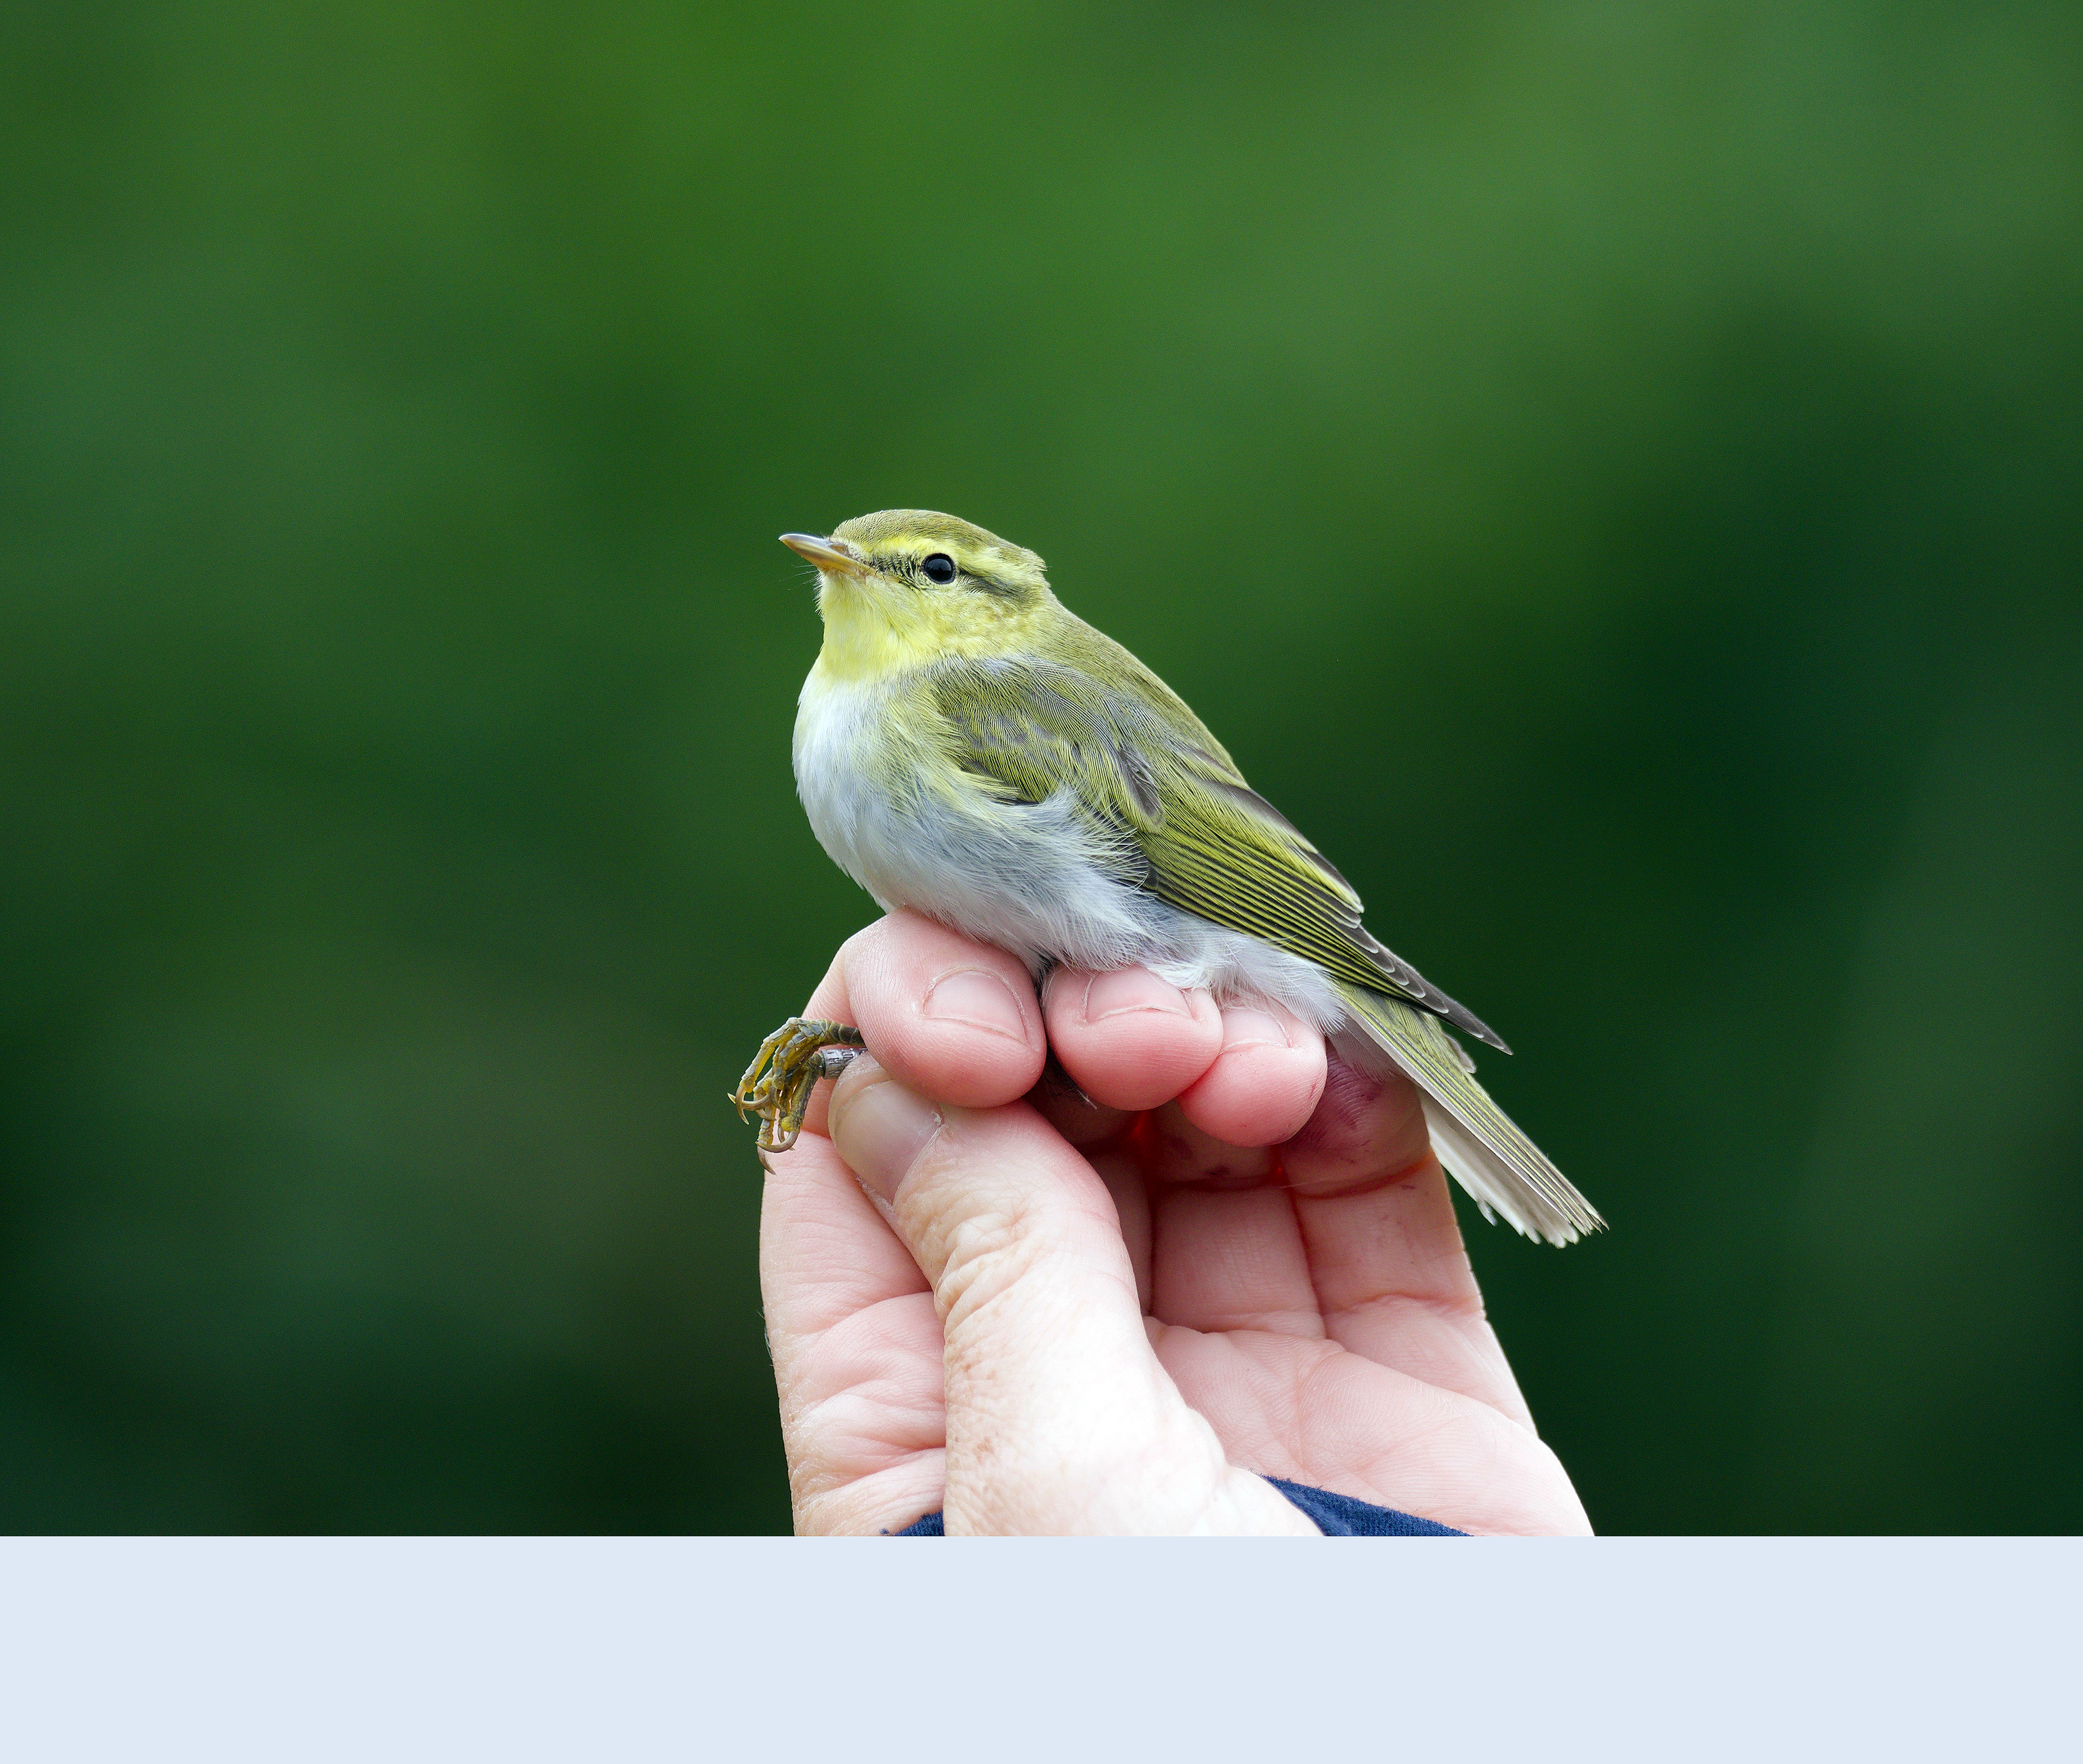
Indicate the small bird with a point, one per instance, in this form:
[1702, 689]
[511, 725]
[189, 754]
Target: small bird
[968, 747]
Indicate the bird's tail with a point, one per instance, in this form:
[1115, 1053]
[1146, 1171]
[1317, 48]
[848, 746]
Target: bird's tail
[1474, 1138]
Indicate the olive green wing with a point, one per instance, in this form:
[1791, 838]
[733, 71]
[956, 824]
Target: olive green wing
[1141, 763]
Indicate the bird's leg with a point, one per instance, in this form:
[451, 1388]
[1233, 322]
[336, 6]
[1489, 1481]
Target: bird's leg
[777, 1086]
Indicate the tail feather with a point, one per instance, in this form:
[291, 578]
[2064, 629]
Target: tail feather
[1498, 1165]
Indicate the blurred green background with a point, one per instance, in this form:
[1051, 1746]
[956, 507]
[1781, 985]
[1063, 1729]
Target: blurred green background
[1611, 471]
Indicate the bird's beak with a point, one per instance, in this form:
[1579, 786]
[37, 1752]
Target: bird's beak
[832, 555]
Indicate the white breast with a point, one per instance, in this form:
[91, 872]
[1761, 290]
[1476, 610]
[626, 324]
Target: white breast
[906, 822]
[1037, 880]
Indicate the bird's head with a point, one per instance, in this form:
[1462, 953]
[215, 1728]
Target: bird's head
[907, 586]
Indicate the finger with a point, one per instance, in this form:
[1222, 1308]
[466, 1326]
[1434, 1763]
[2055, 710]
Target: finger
[1364, 1129]
[1174, 1151]
[1260, 1089]
[856, 1348]
[1264, 1083]
[855, 1340]
[1128, 1039]
[824, 1252]
[946, 1015]
[1059, 1417]
[1384, 1248]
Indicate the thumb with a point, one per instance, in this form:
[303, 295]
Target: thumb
[1059, 1417]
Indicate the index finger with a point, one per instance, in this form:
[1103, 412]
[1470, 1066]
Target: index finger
[945, 1015]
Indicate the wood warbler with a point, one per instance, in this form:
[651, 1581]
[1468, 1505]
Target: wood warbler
[968, 747]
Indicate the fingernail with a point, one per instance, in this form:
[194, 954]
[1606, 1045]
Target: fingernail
[1132, 989]
[879, 1129]
[1244, 1027]
[978, 998]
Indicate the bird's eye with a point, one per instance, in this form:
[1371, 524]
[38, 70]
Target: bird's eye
[940, 568]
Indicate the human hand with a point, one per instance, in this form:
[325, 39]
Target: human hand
[1042, 1316]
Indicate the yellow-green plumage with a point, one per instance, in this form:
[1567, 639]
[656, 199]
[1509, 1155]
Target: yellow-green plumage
[968, 748]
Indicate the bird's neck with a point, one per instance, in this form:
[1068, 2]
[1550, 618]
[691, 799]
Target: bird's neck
[863, 642]
[868, 638]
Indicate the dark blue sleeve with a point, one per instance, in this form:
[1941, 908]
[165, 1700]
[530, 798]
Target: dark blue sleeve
[1341, 1516]
[1336, 1516]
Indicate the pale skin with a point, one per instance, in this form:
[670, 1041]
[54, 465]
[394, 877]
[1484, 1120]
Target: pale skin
[988, 1296]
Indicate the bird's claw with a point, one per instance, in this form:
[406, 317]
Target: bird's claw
[777, 1086]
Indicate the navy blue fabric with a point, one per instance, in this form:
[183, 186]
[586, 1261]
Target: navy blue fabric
[1336, 1516]
[932, 1526]
[1341, 1516]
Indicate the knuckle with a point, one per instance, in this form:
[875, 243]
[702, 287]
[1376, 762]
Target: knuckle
[985, 1253]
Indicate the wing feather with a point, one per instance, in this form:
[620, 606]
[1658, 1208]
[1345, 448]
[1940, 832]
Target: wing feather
[1140, 764]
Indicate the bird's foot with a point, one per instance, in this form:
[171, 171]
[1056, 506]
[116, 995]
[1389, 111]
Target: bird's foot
[777, 1086]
